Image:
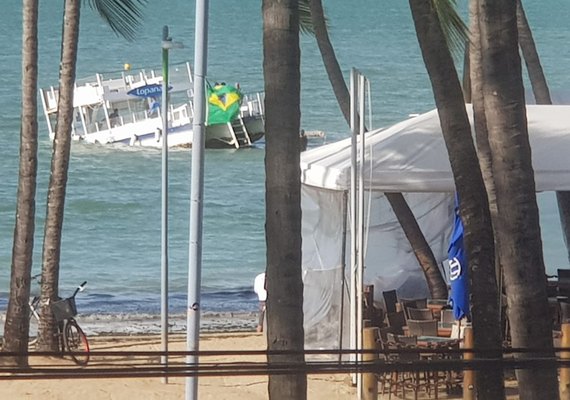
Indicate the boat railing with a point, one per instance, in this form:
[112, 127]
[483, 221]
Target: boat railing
[50, 97]
[125, 118]
[179, 74]
[252, 104]
[178, 116]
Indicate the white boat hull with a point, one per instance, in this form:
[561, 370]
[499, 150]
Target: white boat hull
[106, 112]
[217, 136]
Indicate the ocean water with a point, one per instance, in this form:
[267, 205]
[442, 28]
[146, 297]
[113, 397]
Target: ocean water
[111, 232]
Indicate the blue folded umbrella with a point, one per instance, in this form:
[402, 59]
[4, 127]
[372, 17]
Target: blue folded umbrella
[458, 271]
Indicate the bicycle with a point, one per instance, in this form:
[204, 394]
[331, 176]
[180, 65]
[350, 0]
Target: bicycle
[71, 336]
[34, 315]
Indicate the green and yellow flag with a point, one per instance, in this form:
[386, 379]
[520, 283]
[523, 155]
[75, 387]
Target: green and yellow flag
[224, 102]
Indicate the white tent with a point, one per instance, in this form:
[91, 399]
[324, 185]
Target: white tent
[409, 157]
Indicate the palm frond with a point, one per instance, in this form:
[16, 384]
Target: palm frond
[454, 28]
[124, 17]
[305, 22]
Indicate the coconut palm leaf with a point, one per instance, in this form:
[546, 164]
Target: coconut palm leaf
[454, 28]
[123, 16]
[305, 23]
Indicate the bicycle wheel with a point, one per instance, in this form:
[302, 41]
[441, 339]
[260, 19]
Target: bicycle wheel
[76, 343]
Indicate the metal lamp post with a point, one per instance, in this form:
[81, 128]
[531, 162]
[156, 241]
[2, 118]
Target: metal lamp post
[197, 194]
[167, 44]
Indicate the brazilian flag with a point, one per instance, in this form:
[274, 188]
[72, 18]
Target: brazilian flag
[224, 102]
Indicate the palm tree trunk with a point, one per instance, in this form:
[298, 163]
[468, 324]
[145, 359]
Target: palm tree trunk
[520, 245]
[17, 322]
[528, 49]
[481, 134]
[434, 278]
[281, 68]
[329, 58]
[405, 216]
[474, 208]
[541, 96]
[48, 339]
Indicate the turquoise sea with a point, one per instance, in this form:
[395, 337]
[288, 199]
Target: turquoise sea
[112, 218]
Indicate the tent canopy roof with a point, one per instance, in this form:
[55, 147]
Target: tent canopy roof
[411, 156]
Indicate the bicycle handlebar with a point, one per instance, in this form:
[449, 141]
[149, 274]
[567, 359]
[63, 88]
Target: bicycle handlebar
[80, 288]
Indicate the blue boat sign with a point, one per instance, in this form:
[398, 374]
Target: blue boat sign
[145, 91]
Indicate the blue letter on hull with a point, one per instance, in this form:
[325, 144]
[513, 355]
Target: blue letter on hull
[154, 90]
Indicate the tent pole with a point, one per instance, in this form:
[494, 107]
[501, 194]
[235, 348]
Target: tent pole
[353, 224]
[343, 270]
[360, 219]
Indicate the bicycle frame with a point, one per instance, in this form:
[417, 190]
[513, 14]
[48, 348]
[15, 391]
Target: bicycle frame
[70, 336]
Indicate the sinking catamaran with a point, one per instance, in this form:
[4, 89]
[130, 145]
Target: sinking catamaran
[124, 108]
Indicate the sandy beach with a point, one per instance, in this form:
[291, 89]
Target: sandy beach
[219, 388]
[320, 386]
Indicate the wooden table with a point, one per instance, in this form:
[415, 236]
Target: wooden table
[435, 340]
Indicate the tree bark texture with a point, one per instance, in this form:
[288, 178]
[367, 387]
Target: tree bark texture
[48, 340]
[518, 225]
[17, 322]
[474, 208]
[281, 68]
[480, 125]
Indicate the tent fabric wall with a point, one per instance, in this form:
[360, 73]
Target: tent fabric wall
[389, 260]
[408, 157]
[323, 237]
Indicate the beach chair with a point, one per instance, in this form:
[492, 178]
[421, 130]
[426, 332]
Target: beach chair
[422, 327]
[413, 303]
[383, 333]
[423, 314]
[447, 316]
[397, 321]
[390, 300]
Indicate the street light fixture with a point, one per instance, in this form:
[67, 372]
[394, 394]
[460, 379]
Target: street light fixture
[167, 44]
